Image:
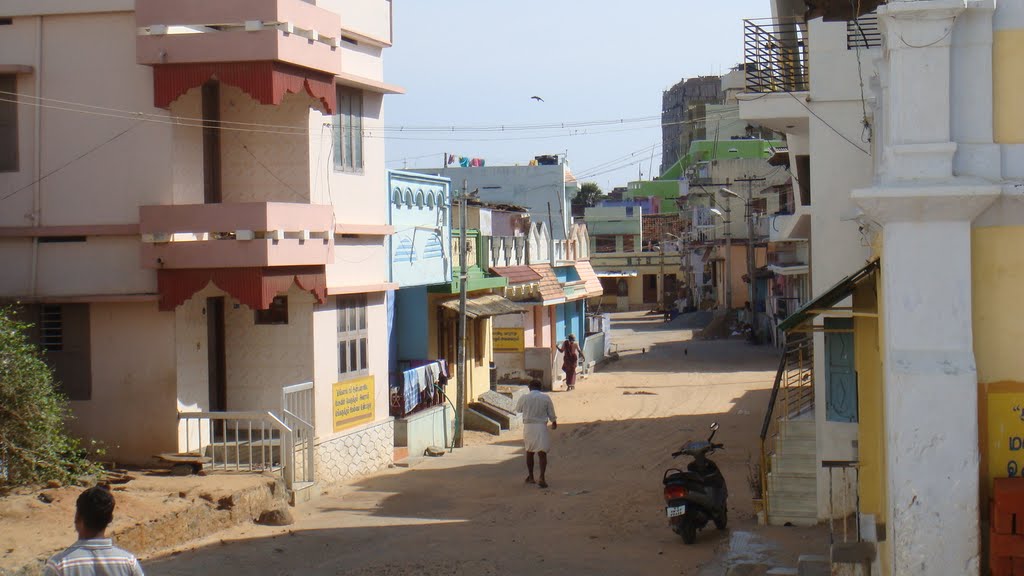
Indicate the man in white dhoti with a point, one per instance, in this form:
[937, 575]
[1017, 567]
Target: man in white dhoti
[537, 409]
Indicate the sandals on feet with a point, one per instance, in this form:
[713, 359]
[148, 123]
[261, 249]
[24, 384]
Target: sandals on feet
[530, 480]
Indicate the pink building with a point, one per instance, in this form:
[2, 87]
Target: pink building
[197, 225]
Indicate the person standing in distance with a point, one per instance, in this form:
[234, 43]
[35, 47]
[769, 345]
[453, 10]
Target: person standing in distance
[571, 354]
[94, 554]
[537, 409]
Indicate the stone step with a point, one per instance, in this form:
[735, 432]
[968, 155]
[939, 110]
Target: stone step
[792, 510]
[303, 492]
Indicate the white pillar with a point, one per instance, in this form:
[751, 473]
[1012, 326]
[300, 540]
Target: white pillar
[930, 379]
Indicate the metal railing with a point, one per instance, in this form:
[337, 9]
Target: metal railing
[242, 441]
[863, 33]
[775, 55]
[792, 395]
[297, 406]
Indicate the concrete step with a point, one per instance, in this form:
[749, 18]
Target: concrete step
[806, 513]
[798, 444]
[802, 428]
[792, 484]
[507, 420]
[303, 492]
[813, 565]
[783, 520]
[793, 464]
[481, 423]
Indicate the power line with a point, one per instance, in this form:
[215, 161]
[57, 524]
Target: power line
[70, 162]
[831, 127]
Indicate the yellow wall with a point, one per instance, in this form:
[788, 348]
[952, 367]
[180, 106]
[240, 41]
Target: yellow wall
[867, 347]
[479, 375]
[1008, 85]
[997, 278]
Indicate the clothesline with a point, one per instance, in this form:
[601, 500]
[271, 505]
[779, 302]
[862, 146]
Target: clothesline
[417, 384]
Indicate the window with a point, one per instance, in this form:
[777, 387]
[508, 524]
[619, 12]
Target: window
[8, 123]
[277, 314]
[352, 336]
[348, 131]
[62, 331]
[605, 244]
[629, 243]
[51, 328]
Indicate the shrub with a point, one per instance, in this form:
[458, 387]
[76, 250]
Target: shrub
[34, 443]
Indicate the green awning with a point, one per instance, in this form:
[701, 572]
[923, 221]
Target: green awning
[829, 298]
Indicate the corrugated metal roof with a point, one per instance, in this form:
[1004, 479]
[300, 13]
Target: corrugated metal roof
[517, 274]
[829, 298]
[486, 305]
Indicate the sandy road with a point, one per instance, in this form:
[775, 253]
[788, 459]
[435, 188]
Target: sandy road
[470, 513]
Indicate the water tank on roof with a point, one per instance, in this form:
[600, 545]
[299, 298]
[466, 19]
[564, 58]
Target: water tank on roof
[547, 160]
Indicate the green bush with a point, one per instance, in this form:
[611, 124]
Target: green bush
[34, 444]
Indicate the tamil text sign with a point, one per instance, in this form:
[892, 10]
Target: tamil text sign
[352, 402]
[508, 339]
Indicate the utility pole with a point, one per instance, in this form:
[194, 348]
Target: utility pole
[728, 256]
[460, 385]
[751, 250]
[661, 248]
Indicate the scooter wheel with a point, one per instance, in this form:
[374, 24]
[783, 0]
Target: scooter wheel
[722, 520]
[688, 530]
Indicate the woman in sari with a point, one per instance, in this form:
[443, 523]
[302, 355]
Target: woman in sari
[571, 355]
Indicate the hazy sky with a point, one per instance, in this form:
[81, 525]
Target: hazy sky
[469, 63]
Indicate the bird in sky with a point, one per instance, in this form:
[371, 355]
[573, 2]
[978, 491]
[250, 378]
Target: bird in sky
[537, 98]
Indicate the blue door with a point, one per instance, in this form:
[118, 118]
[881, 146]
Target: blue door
[840, 374]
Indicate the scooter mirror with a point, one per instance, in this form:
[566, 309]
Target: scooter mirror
[714, 426]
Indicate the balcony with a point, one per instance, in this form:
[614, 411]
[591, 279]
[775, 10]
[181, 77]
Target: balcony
[775, 55]
[242, 235]
[231, 31]
[508, 251]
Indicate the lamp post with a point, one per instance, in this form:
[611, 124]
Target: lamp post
[727, 222]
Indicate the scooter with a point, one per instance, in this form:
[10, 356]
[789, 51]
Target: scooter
[699, 494]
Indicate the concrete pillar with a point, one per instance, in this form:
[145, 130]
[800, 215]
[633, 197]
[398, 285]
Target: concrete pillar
[930, 379]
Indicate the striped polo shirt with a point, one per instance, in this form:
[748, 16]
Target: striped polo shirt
[95, 557]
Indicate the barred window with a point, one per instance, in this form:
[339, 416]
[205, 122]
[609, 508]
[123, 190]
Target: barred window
[352, 336]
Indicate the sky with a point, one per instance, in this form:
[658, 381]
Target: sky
[477, 63]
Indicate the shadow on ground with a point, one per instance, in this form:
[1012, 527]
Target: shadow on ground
[470, 512]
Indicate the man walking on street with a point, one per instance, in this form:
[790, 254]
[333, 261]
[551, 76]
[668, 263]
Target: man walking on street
[94, 554]
[537, 409]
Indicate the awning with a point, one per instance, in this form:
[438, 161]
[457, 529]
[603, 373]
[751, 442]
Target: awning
[254, 287]
[517, 274]
[486, 305]
[265, 81]
[830, 298]
[617, 274]
[789, 270]
[586, 272]
[550, 288]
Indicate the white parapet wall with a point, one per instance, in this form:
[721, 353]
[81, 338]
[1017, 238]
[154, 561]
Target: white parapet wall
[359, 452]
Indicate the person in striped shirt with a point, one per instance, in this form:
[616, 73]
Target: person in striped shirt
[94, 554]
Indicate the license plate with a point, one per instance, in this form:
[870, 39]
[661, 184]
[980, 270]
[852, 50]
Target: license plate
[673, 511]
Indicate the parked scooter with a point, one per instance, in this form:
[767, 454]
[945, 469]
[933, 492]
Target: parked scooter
[694, 497]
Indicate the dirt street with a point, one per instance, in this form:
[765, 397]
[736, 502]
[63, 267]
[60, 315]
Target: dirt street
[469, 513]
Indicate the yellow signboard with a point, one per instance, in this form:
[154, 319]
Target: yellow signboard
[508, 339]
[1005, 434]
[352, 402]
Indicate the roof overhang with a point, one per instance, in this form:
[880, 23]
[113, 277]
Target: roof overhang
[486, 305]
[368, 84]
[617, 274]
[829, 298]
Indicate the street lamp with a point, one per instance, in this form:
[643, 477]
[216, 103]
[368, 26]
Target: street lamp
[726, 193]
[727, 222]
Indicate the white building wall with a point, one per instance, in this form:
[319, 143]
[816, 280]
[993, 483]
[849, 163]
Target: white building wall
[262, 359]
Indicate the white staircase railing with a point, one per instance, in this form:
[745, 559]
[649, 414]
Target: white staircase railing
[242, 441]
[297, 405]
